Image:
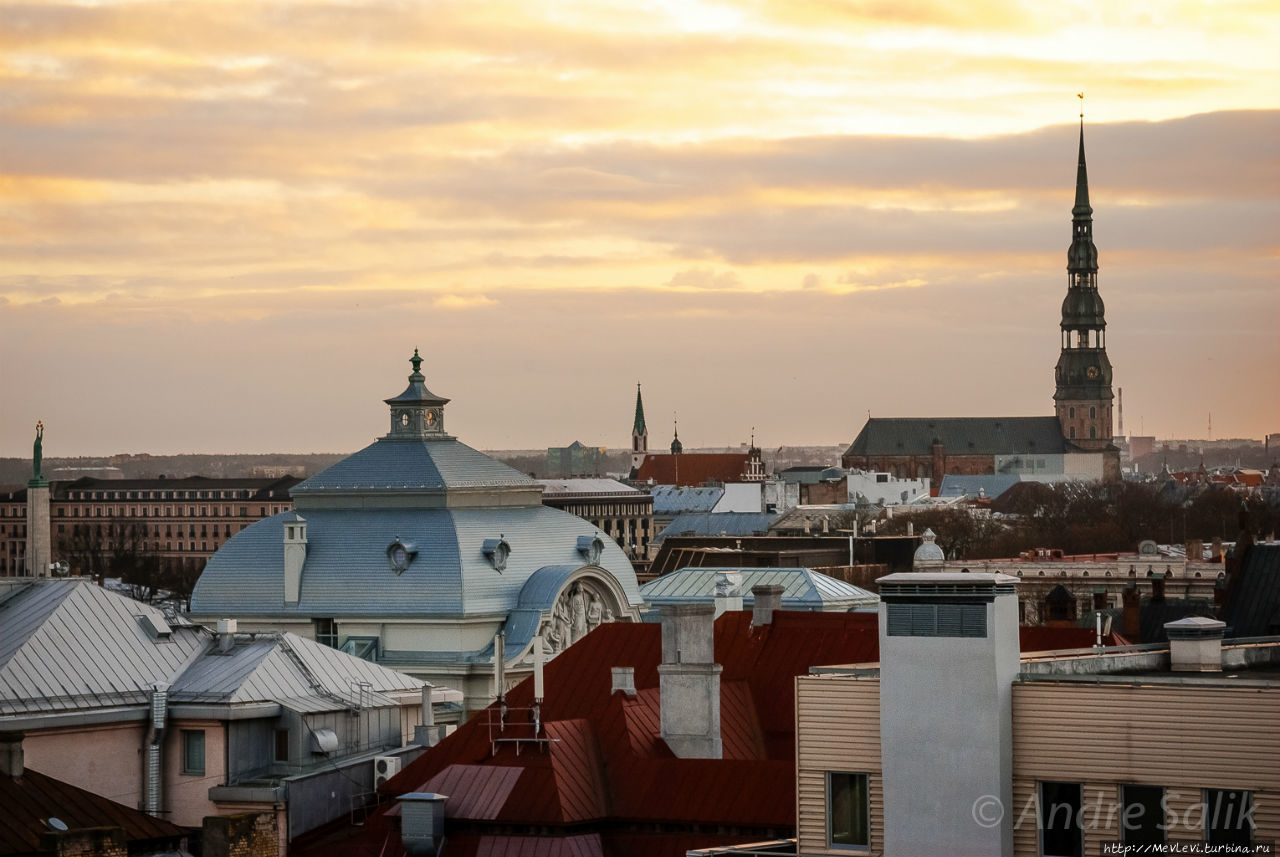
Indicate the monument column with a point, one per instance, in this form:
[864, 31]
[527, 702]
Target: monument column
[39, 542]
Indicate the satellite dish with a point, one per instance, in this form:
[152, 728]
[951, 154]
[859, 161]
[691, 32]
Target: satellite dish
[56, 824]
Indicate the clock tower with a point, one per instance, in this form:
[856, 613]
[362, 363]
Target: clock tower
[1083, 397]
[417, 413]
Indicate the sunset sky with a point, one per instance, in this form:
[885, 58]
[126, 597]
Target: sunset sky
[225, 226]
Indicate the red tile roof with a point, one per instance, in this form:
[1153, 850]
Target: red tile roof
[605, 769]
[32, 798]
[693, 468]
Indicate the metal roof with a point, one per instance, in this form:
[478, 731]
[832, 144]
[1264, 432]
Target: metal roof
[347, 572]
[555, 487]
[719, 524]
[989, 485]
[674, 499]
[802, 588]
[1253, 601]
[30, 800]
[959, 436]
[414, 464]
[68, 645]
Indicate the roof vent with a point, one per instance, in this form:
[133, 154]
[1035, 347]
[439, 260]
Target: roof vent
[1195, 644]
[422, 822]
[155, 626]
[324, 741]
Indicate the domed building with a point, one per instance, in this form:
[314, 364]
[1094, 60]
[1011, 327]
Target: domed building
[416, 552]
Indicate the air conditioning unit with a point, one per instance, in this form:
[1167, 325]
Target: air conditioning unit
[384, 768]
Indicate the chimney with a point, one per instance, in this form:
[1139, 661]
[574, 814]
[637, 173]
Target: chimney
[427, 734]
[952, 636]
[1195, 644]
[422, 823]
[1131, 616]
[768, 597]
[226, 635]
[624, 679]
[295, 555]
[728, 591]
[11, 758]
[689, 682]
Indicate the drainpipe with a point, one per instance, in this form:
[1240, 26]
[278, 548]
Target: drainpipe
[153, 766]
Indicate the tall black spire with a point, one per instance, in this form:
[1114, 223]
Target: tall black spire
[1083, 395]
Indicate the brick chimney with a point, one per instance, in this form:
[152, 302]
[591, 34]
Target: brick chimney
[689, 682]
[1131, 618]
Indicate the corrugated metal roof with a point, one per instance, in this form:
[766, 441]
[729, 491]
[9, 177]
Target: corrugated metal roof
[413, 464]
[32, 799]
[674, 499]
[959, 436]
[68, 645]
[347, 572]
[719, 524]
[802, 588]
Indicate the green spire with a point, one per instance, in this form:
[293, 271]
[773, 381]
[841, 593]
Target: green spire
[417, 366]
[1082, 206]
[639, 427]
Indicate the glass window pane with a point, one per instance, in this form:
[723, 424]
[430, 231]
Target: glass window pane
[192, 752]
[1142, 821]
[849, 810]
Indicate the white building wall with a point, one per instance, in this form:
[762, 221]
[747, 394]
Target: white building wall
[886, 493]
[740, 497]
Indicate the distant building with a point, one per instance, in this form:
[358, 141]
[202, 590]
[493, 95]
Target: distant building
[576, 459]
[1075, 443]
[179, 522]
[624, 513]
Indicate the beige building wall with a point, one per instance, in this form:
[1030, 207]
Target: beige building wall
[186, 795]
[102, 759]
[1183, 738]
[837, 729]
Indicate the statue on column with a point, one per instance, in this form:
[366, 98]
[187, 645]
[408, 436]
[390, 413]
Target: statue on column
[37, 453]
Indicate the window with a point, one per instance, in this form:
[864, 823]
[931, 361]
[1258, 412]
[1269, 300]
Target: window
[327, 632]
[1228, 817]
[193, 751]
[1093, 413]
[848, 810]
[1142, 820]
[1071, 412]
[1060, 828]
[282, 745]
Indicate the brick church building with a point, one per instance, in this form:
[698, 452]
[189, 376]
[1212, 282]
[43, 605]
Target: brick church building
[1075, 443]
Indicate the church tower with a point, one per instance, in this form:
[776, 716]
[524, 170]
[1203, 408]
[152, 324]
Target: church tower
[1083, 397]
[639, 435]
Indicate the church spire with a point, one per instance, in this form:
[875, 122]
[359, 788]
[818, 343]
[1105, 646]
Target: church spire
[639, 434]
[639, 427]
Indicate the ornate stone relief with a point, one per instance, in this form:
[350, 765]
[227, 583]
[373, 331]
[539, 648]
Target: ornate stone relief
[580, 607]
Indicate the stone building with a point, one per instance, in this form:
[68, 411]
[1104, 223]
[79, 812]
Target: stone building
[1075, 443]
[417, 551]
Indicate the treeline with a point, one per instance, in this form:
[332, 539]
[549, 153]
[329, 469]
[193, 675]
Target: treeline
[1083, 518]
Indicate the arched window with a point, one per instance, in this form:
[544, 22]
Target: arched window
[1073, 432]
[1093, 413]
[1071, 412]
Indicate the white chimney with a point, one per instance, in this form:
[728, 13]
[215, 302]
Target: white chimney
[728, 591]
[624, 679]
[767, 598]
[689, 682]
[295, 555]
[1195, 644]
[226, 634]
[951, 636]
